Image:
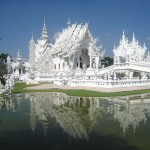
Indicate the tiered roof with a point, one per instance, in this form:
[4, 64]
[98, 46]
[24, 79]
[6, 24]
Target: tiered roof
[72, 38]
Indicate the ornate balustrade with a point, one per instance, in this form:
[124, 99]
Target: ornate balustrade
[102, 83]
[106, 77]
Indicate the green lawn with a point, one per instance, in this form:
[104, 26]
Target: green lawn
[19, 88]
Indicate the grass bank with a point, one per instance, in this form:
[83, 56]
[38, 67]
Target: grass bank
[20, 88]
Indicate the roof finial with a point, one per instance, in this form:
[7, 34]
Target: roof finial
[69, 22]
[133, 34]
[44, 26]
[133, 38]
[44, 20]
[18, 54]
[123, 36]
[32, 39]
[123, 32]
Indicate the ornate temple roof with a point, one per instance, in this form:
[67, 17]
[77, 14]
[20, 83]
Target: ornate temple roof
[72, 38]
[19, 62]
[43, 42]
[131, 49]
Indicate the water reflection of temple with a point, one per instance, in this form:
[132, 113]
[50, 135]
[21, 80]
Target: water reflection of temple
[130, 110]
[74, 114]
[77, 115]
[10, 102]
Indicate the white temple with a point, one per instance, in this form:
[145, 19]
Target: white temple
[20, 68]
[73, 53]
[16, 70]
[75, 59]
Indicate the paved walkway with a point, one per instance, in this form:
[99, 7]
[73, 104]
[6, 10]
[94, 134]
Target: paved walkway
[99, 89]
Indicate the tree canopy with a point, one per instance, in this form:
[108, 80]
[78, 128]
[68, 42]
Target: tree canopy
[3, 67]
[107, 61]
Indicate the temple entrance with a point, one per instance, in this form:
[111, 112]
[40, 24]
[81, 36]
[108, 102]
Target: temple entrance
[19, 71]
[82, 59]
[85, 59]
[80, 63]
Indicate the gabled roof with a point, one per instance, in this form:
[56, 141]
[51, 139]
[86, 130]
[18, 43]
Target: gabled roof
[16, 65]
[72, 38]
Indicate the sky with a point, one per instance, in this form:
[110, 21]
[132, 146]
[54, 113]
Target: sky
[107, 19]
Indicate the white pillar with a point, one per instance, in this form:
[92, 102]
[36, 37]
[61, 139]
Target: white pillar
[90, 58]
[78, 62]
[97, 62]
[114, 76]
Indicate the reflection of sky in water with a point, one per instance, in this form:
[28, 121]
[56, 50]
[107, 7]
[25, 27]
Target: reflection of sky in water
[79, 118]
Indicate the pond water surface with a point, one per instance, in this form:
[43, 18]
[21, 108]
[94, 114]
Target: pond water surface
[55, 121]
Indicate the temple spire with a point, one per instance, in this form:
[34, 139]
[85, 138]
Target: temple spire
[134, 41]
[124, 40]
[123, 32]
[133, 37]
[19, 59]
[44, 26]
[123, 35]
[44, 34]
[144, 47]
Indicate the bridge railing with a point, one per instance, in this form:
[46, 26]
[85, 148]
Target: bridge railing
[102, 83]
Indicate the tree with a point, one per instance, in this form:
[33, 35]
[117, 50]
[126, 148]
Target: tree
[3, 67]
[107, 61]
[3, 58]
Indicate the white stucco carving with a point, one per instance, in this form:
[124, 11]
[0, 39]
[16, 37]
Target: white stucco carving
[76, 59]
[74, 48]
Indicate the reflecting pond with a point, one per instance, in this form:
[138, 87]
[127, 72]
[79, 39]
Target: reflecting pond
[56, 121]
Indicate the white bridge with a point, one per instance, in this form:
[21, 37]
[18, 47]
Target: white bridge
[136, 66]
[118, 75]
